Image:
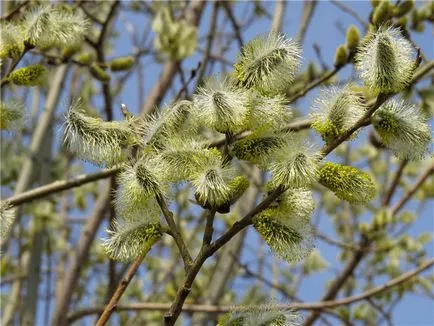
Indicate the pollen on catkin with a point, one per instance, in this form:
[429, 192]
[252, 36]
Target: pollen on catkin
[335, 110]
[258, 146]
[33, 75]
[10, 114]
[290, 238]
[403, 128]
[385, 61]
[158, 127]
[11, 41]
[237, 187]
[297, 203]
[268, 111]
[130, 239]
[347, 182]
[48, 26]
[260, 315]
[7, 217]
[268, 64]
[222, 106]
[294, 165]
[180, 158]
[95, 140]
[212, 181]
[138, 186]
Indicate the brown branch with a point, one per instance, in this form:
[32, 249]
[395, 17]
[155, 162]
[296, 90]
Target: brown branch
[413, 190]
[298, 305]
[351, 12]
[59, 186]
[14, 11]
[111, 306]
[314, 84]
[193, 14]
[174, 232]
[308, 10]
[395, 183]
[209, 42]
[227, 6]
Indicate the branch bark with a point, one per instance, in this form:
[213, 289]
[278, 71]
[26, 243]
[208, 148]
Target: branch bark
[215, 309]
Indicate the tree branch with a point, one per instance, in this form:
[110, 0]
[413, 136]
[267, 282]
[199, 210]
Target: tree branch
[58, 186]
[298, 305]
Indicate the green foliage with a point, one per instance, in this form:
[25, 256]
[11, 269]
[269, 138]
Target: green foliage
[258, 147]
[341, 56]
[382, 12]
[99, 73]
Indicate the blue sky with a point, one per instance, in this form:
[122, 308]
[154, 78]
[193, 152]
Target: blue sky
[323, 30]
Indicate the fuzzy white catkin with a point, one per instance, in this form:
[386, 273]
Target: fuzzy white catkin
[385, 61]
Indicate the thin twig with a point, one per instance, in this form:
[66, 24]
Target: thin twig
[58, 186]
[111, 306]
[351, 12]
[413, 190]
[174, 232]
[152, 306]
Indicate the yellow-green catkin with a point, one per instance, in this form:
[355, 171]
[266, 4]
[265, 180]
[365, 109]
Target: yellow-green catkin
[256, 148]
[382, 12]
[98, 73]
[236, 189]
[352, 38]
[28, 76]
[122, 63]
[86, 58]
[347, 182]
[375, 3]
[341, 56]
[403, 8]
[290, 238]
[8, 115]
